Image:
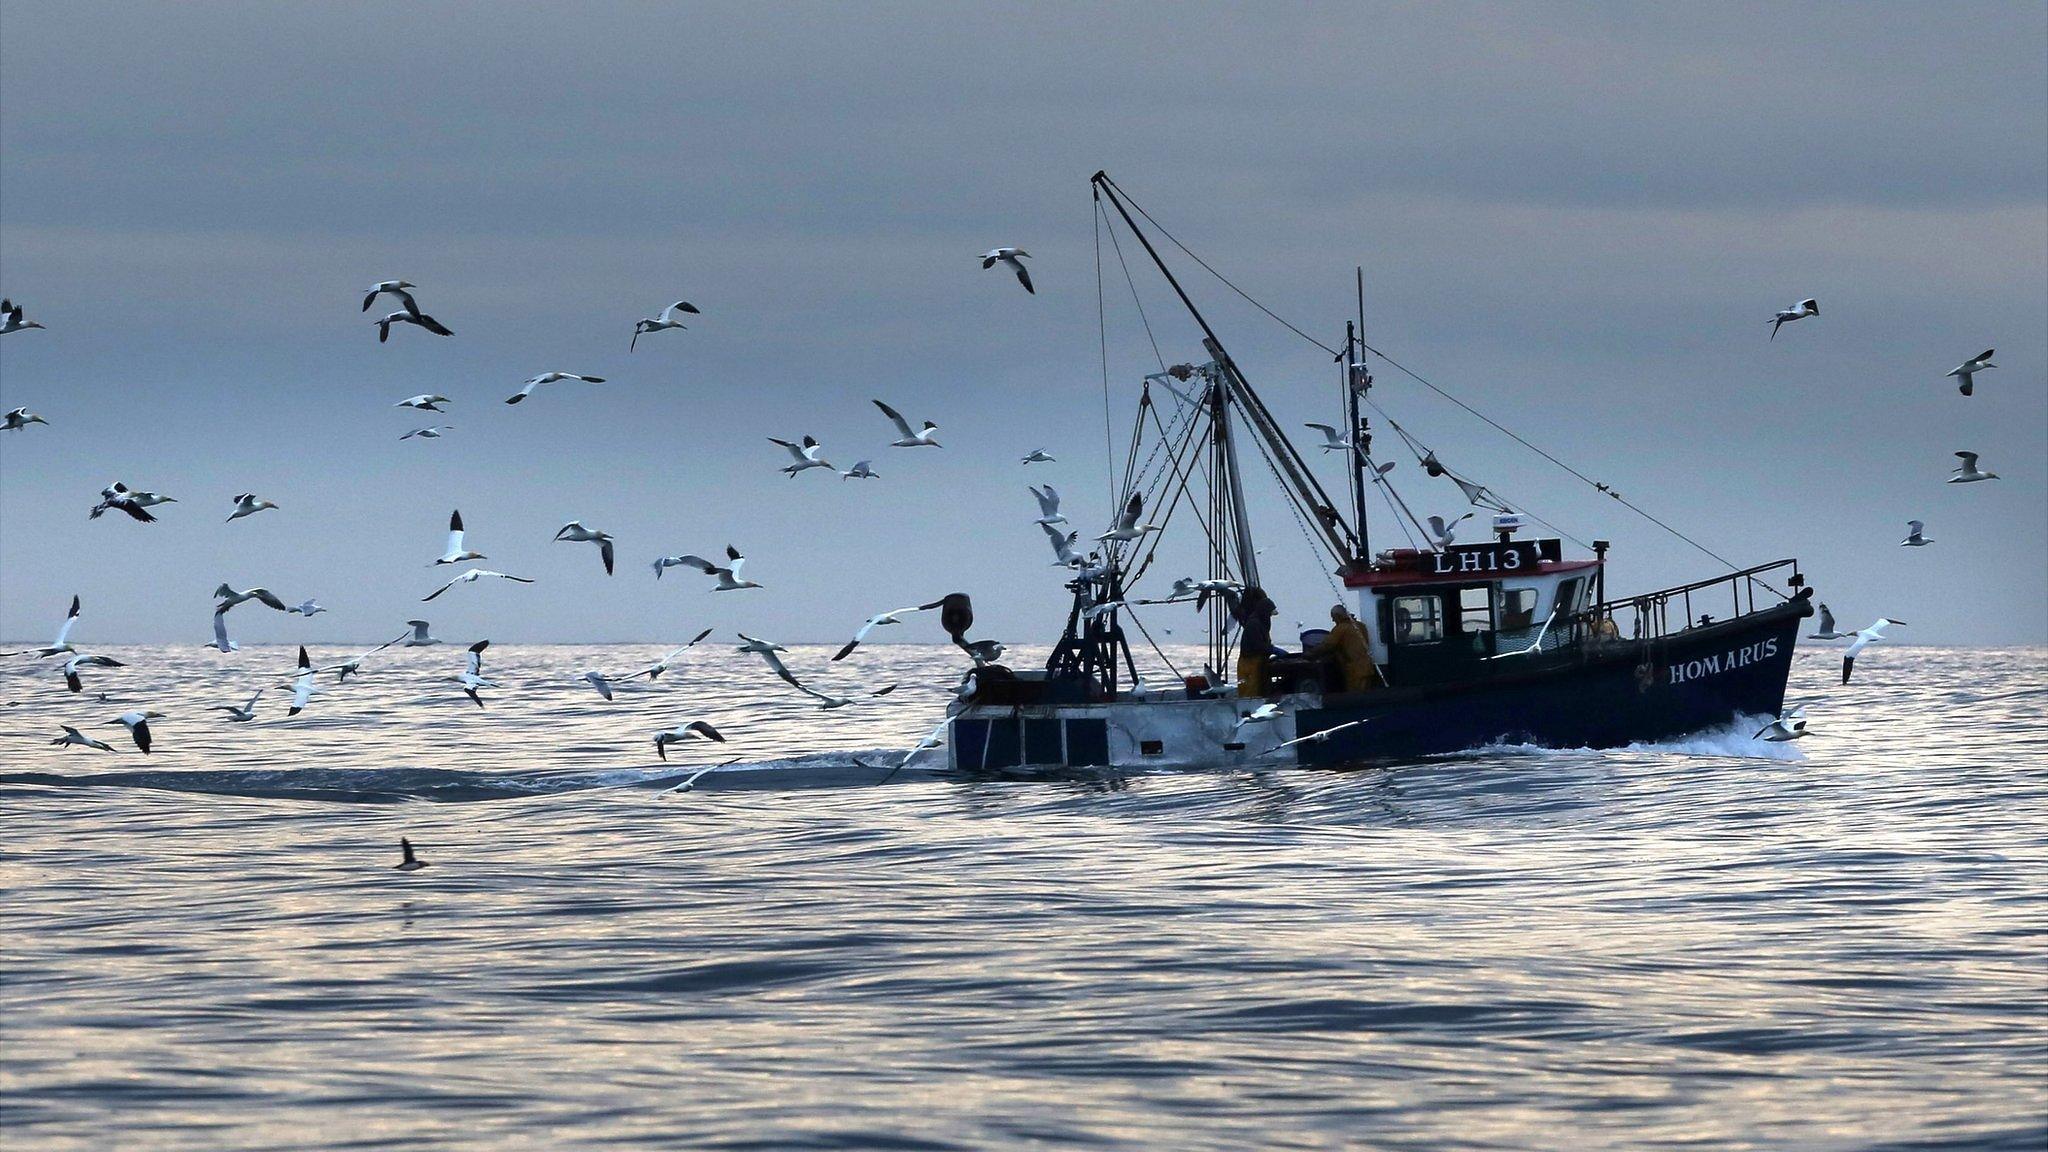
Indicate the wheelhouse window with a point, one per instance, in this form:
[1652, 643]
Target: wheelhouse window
[1475, 609]
[1517, 609]
[1418, 620]
[1568, 596]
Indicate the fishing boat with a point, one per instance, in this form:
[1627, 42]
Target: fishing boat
[1509, 639]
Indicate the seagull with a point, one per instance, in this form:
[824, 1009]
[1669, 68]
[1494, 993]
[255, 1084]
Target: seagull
[1783, 317]
[601, 682]
[10, 318]
[1260, 715]
[19, 418]
[654, 670]
[220, 632]
[1865, 639]
[1063, 547]
[1968, 368]
[412, 317]
[62, 644]
[860, 471]
[1127, 526]
[425, 402]
[1968, 474]
[228, 598]
[665, 321]
[892, 616]
[307, 608]
[429, 433]
[807, 455]
[1096, 611]
[248, 504]
[1038, 456]
[1333, 441]
[74, 736]
[1009, 258]
[1826, 631]
[242, 714]
[408, 862]
[575, 532]
[1442, 533]
[472, 677]
[471, 577]
[80, 660]
[691, 782]
[694, 730]
[1913, 537]
[302, 684]
[729, 579]
[137, 724]
[905, 437]
[549, 378]
[1790, 725]
[455, 553]
[399, 288]
[120, 498]
[419, 637]
[1048, 505]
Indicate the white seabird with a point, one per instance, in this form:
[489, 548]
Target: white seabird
[1864, 639]
[1011, 258]
[248, 504]
[1127, 527]
[10, 318]
[1825, 630]
[693, 730]
[59, 646]
[549, 378]
[354, 665]
[228, 598]
[1969, 368]
[74, 736]
[1800, 311]
[654, 670]
[242, 714]
[137, 724]
[1264, 713]
[419, 637]
[307, 608]
[878, 620]
[302, 684]
[729, 579]
[19, 418]
[220, 632]
[472, 677]
[861, 470]
[425, 402]
[1048, 505]
[808, 455]
[599, 681]
[665, 321]
[1038, 456]
[575, 532]
[1968, 474]
[1333, 440]
[905, 438]
[1442, 532]
[81, 660]
[119, 497]
[433, 432]
[1790, 725]
[690, 781]
[420, 319]
[455, 553]
[399, 288]
[471, 577]
[1063, 547]
[1914, 535]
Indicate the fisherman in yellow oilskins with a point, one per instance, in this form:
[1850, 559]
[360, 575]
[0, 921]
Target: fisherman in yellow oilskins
[1347, 645]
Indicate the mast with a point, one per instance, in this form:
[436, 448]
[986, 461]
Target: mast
[1357, 382]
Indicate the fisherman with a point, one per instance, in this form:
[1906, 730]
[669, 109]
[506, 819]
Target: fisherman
[1253, 610]
[1346, 644]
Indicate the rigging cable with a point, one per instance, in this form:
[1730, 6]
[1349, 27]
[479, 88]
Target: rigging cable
[1102, 335]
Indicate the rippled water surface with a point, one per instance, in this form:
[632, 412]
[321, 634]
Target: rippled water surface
[1707, 944]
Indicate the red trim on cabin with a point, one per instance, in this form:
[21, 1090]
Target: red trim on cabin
[1409, 567]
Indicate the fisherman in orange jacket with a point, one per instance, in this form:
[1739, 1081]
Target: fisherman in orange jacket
[1347, 645]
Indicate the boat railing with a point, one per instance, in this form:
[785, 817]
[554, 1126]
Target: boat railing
[1648, 616]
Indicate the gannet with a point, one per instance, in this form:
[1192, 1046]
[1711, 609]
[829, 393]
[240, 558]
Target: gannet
[860, 471]
[690, 781]
[302, 684]
[905, 438]
[425, 402]
[455, 553]
[80, 660]
[1785, 316]
[666, 320]
[1969, 368]
[228, 598]
[878, 620]
[248, 504]
[471, 577]
[1864, 639]
[1790, 725]
[137, 724]
[10, 318]
[242, 714]
[74, 736]
[549, 378]
[729, 579]
[1968, 474]
[693, 730]
[472, 677]
[599, 681]
[59, 646]
[420, 319]
[575, 532]
[19, 418]
[1260, 715]
[807, 455]
[429, 433]
[1010, 258]
[654, 670]
[120, 498]
[399, 288]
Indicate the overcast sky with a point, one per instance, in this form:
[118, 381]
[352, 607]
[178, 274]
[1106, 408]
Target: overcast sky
[1576, 217]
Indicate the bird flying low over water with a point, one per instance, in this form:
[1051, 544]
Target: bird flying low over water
[1864, 639]
[1967, 473]
[419, 637]
[118, 497]
[1826, 628]
[690, 781]
[228, 598]
[1968, 369]
[241, 714]
[860, 471]
[19, 418]
[575, 532]
[407, 862]
[599, 681]
[248, 504]
[137, 724]
[10, 318]
[399, 288]
[1264, 713]
[220, 632]
[1038, 456]
[654, 670]
[905, 438]
[307, 608]
[1790, 725]
[807, 455]
[80, 660]
[1914, 535]
[1799, 311]
[472, 677]
[665, 321]
[425, 402]
[59, 646]
[549, 378]
[1013, 259]
[729, 579]
[302, 684]
[455, 553]
[878, 620]
[430, 433]
[74, 736]
[693, 730]
[471, 577]
[416, 318]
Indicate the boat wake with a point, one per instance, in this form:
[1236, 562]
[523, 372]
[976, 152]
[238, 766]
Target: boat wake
[1733, 740]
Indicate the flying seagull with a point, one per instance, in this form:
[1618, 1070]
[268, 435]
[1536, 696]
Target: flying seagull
[399, 288]
[74, 736]
[414, 317]
[80, 660]
[248, 504]
[694, 730]
[1048, 505]
[1914, 538]
[599, 681]
[62, 644]
[471, 577]
[425, 402]
[1790, 725]
[242, 714]
[1333, 441]
[1969, 368]
[137, 724]
[455, 553]
[575, 532]
[1009, 258]
[1826, 629]
[228, 598]
[1865, 639]
[430, 433]
[654, 670]
[472, 677]
[729, 579]
[1063, 547]
[860, 471]
[1038, 456]
[905, 438]
[1264, 713]
[690, 782]
[807, 455]
[307, 608]
[878, 620]
[1785, 316]
[549, 378]
[408, 862]
[666, 320]
[1968, 474]
[419, 637]
[1442, 532]
[19, 418]
[220, 632]
[1127, 527]
[10, 318]
[302, 684]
